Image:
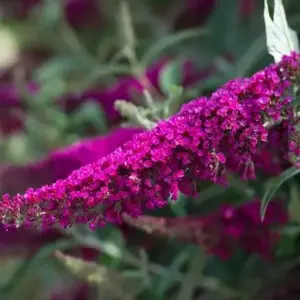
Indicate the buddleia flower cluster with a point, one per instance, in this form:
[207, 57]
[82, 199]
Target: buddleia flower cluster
[205, 140]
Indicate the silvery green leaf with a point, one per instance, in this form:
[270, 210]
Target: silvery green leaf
[274, 185]
[281, 40]
[170, 76]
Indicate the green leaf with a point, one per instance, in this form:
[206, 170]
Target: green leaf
[223, 26]
[294, 203]
[108, 240]
[210, 192]
[111, 233]
[113, 242]
[60, 66]
[190, 282]
[168, 280]
[241, 187]
[170, 76]
[161, 45]
[174, 101]
[249, 58]
[101, 73]
[286, 246]
[8, 266]
[89, 112]
[291, 229]
[35, 130]
[273, 186]
[50, 13]
[178, 207]
[213, 82]
[32, 263]
[50, 91]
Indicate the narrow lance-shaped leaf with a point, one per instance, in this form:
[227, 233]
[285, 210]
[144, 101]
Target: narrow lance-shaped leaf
[179, 207]
[170, 76]
[281, 40]
[167, 281]
[274, 186]
[294, 203]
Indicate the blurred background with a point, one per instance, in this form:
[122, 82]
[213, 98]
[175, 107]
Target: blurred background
[63, 66]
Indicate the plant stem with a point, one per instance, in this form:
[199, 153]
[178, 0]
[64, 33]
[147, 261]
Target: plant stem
[128, 36]
[190, 280]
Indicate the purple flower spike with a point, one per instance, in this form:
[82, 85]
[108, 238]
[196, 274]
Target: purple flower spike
[62, 162]
[202, 141]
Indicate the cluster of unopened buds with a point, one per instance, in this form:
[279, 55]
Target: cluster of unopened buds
[205, 140]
